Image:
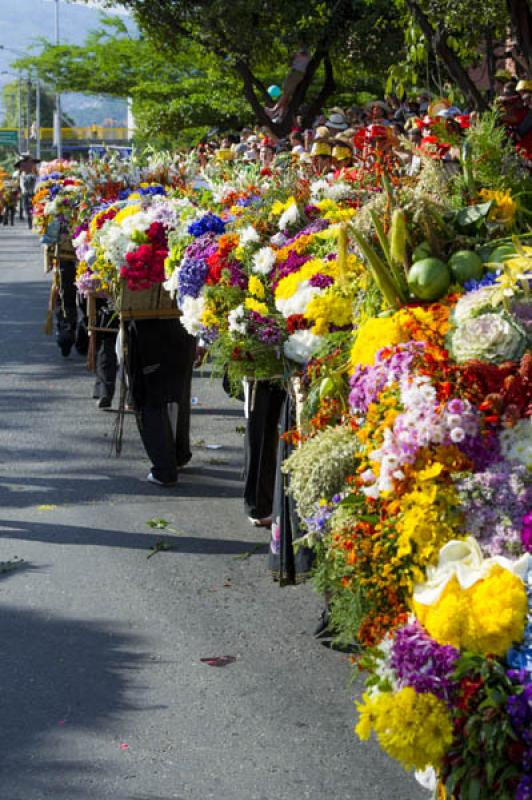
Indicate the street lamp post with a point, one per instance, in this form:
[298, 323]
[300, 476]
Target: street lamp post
[37, 117]
[58, 140]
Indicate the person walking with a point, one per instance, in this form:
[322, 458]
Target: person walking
[159, 363]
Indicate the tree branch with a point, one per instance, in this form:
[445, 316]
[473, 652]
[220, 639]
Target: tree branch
[436, 38]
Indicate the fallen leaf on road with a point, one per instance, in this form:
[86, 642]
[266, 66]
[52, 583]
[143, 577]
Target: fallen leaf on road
[242, 556]
[159, 547]
[218, 661]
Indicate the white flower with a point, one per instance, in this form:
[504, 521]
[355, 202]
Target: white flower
[516, 442]
[236, 321]
[297, 303]
[457, 435]
[249, 235]
[288, 217]
[278, 239]
[301, 346]
[192, 309]
[263, 260]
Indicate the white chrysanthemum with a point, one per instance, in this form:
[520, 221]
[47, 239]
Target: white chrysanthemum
[249, 235]
[297, 303]
[192, 309]
[288, 217]
[263, 260]
[301, 346]
[235, 319]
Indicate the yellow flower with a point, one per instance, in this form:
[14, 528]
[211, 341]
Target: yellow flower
[331, 308]
[375, 333]
[288, 285]
[413, 728]
[278, 207]
[256, 287]
[253, 305]
[209, 318]
[128, 211]
[505, 207]
[333, 212]
[488, 617]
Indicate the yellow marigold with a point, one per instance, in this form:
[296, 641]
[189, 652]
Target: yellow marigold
[488, 617]
[374, 334]
[256, 287]
[253, 305]
[330, 306]
[505, 207]
[413, 728]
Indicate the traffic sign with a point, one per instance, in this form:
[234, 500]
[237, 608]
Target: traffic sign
[8, 137]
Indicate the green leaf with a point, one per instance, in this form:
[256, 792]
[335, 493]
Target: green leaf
[472, 215]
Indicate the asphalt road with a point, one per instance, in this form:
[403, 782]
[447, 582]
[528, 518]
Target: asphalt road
[103, 695]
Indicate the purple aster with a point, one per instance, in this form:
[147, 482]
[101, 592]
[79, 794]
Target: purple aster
[422, 663]
[495, 501]
[321, 281]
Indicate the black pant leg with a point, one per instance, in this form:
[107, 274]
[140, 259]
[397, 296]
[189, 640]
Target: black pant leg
[66, 309]
[262, 436]
[158, 440]
[106, 364]
[182, 439]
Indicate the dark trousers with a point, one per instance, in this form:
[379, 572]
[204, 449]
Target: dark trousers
[262, 436]
[66, 313]
[9, 216]
[106, 365]
[157, 419]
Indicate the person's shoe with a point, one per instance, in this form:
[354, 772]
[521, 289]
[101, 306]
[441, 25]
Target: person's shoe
[152, 479]
[322, 629]
[65, 349]
[104, 402]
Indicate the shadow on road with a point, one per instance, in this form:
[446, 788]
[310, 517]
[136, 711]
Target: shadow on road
[58, 676]
[65, 534]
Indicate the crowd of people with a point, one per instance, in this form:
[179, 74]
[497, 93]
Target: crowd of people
[344, 139]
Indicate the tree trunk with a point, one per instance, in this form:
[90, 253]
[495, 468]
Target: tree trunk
[521, 17]
[281, 129]
[436, 38]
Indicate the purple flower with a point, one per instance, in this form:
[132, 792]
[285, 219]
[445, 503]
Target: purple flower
[321, 281]
[526, 532]
[496, 501]
[419, 662]
[367, 382]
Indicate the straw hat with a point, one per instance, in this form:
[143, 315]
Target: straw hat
[321, 147]
[322, 132]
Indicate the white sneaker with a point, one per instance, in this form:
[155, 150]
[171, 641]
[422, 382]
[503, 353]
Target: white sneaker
[152, 479]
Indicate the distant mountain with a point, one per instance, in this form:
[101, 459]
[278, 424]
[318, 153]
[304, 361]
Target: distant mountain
[24, 22]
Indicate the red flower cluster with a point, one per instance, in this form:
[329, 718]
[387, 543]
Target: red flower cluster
[111, 214]
[296, 322]
[145, 265]
[220, 260]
